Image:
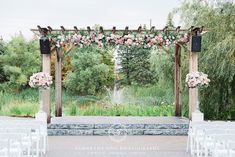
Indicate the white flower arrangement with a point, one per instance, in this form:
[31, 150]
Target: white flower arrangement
[197, 79]
[40, 80]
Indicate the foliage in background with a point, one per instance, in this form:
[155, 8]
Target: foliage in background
[217, 57]
[163, 66]
[19, 61]
[135, 66]
[155, 95]
[91, 71]
[2, 52]
[66, 62]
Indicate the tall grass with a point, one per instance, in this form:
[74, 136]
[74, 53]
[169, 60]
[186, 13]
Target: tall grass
[150, 95]
[147, 101]
[122, 110]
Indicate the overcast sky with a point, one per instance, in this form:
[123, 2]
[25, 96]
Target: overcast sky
[21, 15]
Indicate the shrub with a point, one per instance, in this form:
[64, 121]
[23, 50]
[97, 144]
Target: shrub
[2, 52]
[20, 60]
[90, 74]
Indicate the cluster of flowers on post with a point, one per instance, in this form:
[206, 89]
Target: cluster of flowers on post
[40, 80]
[197, 79]
[139, 39]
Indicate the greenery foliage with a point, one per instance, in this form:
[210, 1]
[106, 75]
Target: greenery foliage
[135, 66]
[2, 52]
[20, 60]
[162, 65]
[91, 71]
[217, 58]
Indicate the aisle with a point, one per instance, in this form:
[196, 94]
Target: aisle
[105, 146]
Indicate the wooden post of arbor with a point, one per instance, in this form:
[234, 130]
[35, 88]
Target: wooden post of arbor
[58, 83]
[46, 67]
[193, 92]
[177, 81]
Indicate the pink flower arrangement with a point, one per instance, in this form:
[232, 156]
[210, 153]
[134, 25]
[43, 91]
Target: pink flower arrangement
[142, 39]
[40, 80]
[197, 79]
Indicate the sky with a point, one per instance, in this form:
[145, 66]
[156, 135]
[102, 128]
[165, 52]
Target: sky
[21, 15]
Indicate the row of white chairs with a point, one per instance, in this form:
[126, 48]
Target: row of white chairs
[211, 138]
[20, 138]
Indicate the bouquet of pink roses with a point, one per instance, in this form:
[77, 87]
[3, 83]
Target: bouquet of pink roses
[40, 80]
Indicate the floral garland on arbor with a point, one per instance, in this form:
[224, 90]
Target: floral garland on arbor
[133, 39]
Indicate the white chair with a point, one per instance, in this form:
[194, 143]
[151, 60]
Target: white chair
[229, 146]
[208, 143]
[191, 134]
[38, 133]
[26, 140]
[197, 135]
[13, 147]
[4, 147]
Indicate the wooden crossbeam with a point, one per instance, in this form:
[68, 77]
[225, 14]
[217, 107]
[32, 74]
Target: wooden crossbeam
[126, 30]
[139, 29]
[62, 29]
[101, 30]
[152, 29]
[165, 29]
[75, 29]
[114, 29]
[49, 28]
[178, 28]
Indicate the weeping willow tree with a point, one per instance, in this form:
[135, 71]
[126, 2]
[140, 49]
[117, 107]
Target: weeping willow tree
[217, 57]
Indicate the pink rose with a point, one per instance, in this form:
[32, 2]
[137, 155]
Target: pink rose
[129, 42]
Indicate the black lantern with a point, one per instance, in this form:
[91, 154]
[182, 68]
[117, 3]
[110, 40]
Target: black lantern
[196, 39]
[45, 45]
[196, 43]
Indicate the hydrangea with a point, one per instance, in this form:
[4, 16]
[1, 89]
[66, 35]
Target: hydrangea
[40, 80]
[197, 79]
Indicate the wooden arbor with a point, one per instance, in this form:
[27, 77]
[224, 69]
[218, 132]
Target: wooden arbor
[148, 40]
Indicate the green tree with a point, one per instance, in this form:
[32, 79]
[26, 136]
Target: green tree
[163, 66]
[2, 52]
[20, 60]
[91, 71]
[170, 23]
[136, 67]
[217, 58]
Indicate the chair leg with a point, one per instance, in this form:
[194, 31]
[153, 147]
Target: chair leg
[192, 144]
[188, 141]
[197, 144]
